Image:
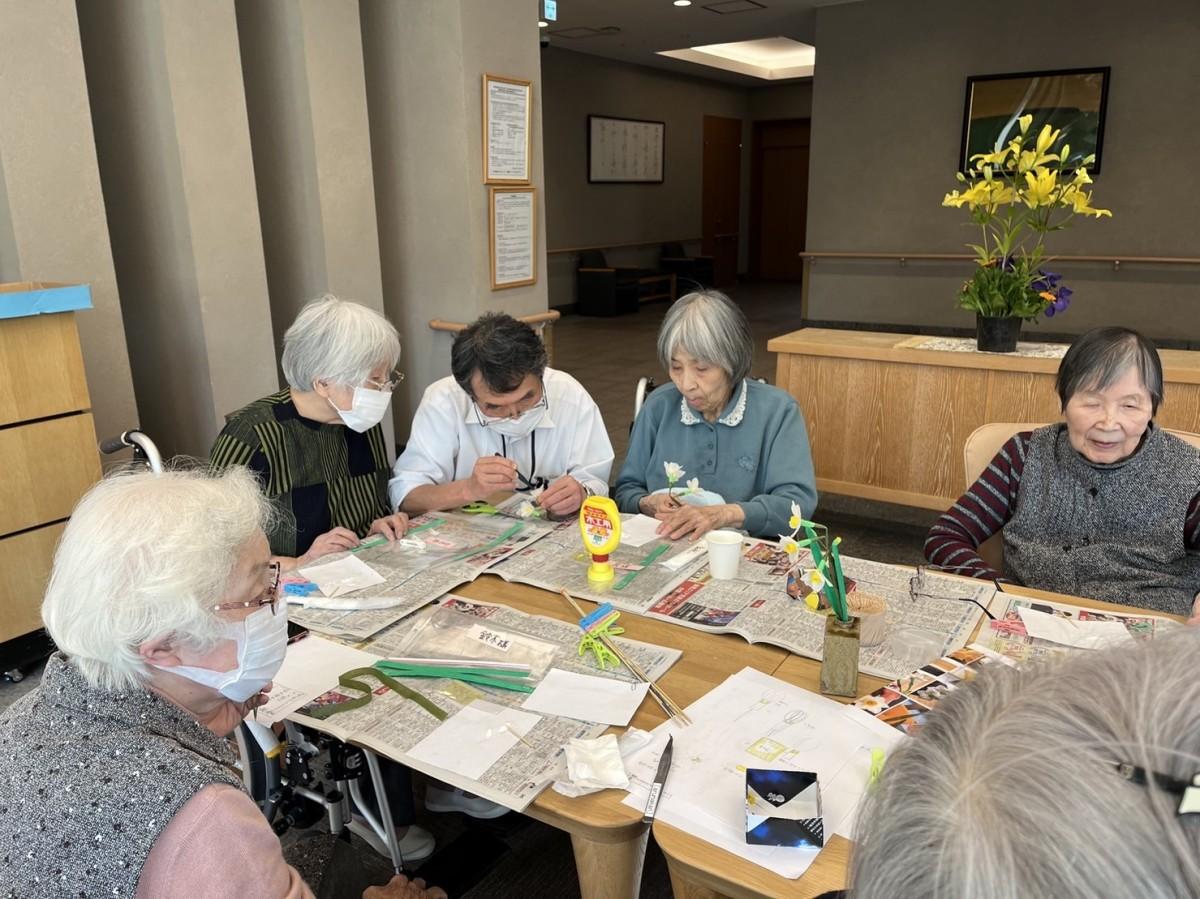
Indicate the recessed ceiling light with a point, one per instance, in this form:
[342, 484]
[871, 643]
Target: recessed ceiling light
[683, 2]
[542, 23]
[767, 58]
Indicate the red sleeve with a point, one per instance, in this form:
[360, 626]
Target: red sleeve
[979, 513]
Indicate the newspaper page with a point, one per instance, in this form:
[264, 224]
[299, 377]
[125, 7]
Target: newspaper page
[392, 725]
[643, 573]
[1006, 636]
[757, 607]
[441, 551]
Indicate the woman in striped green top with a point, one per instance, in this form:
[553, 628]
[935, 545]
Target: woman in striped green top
[317, 446]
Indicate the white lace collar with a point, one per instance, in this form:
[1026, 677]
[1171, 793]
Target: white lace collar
[733, 419]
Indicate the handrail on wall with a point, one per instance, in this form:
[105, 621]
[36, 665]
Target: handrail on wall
[541, 322]
[903, 258]
[622, 246]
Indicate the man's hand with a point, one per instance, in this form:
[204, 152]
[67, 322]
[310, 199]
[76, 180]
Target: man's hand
[694, 522]
[335, 541]
[400, 887]
[563, 497]
[391, 526]
[655, 503]
[491, 474]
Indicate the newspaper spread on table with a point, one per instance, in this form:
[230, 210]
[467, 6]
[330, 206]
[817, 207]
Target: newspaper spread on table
[643, 573]
[442, 551]
[1006, 636]
[756, 607]
[393, 725]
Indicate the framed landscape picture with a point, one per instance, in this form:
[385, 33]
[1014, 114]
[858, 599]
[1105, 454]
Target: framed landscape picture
[1072, 100]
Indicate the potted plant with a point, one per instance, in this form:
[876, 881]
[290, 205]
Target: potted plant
[1016, 195]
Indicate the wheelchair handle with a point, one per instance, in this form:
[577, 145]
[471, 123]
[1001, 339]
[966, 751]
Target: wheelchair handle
[143, 448]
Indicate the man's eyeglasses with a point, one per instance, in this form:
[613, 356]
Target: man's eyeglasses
[919, 586]
[488, 421]
[270, 596]
[397, 377]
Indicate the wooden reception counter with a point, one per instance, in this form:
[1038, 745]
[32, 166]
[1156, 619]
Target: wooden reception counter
[887, 420]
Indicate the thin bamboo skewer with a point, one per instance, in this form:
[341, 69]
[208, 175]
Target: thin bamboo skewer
[669, 705]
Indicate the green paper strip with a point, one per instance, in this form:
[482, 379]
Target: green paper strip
[437, 522]
[842, 612]
[348, 681]
[646, 562]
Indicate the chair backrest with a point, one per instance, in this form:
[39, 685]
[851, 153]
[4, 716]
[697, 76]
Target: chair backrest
[981, 447]
[592, 259]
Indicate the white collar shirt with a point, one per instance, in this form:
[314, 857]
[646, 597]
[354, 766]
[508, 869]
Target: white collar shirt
[447, 438]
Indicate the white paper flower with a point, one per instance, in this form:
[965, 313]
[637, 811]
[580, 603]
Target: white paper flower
[526, 509]
[789, 546]
[693, 486]
[674, 472]
[813, 579]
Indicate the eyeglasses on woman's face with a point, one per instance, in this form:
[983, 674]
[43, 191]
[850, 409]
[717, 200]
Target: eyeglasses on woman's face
[269, 595]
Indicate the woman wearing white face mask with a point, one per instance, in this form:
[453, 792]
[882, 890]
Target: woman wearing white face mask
[115, 773]
[339, 359]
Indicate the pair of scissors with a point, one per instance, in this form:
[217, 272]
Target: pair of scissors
[479, 507]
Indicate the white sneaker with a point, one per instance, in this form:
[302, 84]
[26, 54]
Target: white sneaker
[439, 799]
[417, 844]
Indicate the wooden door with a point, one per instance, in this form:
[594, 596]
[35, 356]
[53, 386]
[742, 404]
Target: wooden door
[779, 199]
[722, 170]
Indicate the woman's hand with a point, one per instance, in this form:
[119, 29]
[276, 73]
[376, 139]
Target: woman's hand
[1195, 619]
[694, 522]
[400, 887]
[335, 541]
[391, 526]
[655, 503]
[226, 715]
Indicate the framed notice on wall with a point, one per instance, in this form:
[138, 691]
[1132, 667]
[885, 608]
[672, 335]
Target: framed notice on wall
[625, 150]
[512, 236]
[506, 117]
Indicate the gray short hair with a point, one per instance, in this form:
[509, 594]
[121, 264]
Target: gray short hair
[1011, 789]
[1101, 356]
[337, 341]
[708, 325]
[146, 555]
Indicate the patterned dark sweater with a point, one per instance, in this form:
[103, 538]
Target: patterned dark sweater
[992, 502]
[321, 476]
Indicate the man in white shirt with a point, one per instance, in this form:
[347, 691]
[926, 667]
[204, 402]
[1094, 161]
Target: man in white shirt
[502, 421]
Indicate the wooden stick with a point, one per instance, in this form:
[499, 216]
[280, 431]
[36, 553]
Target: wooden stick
[669, 705]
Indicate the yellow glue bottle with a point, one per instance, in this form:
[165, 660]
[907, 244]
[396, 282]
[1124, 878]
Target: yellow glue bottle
[600, 525]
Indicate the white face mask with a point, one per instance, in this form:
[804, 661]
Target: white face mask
[366, 410]
[262, 644]
[518, 427]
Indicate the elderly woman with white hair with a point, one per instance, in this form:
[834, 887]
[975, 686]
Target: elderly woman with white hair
[317, 446]
[1068, 780]
[115, 775]
[743, 442]
[1103, 504]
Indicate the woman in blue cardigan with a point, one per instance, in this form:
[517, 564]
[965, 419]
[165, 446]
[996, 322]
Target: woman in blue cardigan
[743, 442]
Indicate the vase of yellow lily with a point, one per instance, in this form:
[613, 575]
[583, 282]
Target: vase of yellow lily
[1017, 194]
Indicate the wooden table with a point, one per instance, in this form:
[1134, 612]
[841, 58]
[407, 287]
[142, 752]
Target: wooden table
[608, 837]
[699, 870]
[888, 422]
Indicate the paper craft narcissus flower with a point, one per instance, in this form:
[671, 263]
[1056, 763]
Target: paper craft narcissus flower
[527, 509]
[674, 472]
[789, 545]
[814, 580]
[797, 516]
[693, 486]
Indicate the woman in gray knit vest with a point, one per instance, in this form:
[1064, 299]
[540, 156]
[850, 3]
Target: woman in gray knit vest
[115, 775]
[1104, 505]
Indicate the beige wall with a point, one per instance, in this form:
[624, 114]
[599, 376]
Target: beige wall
[424, 62]
[52, 216]
[887, 120]
[581, 214]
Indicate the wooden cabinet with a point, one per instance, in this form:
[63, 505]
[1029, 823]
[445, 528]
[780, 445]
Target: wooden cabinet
[47, 451]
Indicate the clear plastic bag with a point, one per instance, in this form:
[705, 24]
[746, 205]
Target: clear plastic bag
[448, 634]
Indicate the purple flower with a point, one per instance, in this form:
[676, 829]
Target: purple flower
[1059, 305]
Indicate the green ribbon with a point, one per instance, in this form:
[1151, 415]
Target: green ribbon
[646, 563]
[348, 681]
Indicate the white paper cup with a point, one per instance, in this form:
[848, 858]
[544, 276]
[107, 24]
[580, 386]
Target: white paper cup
[724, 554]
